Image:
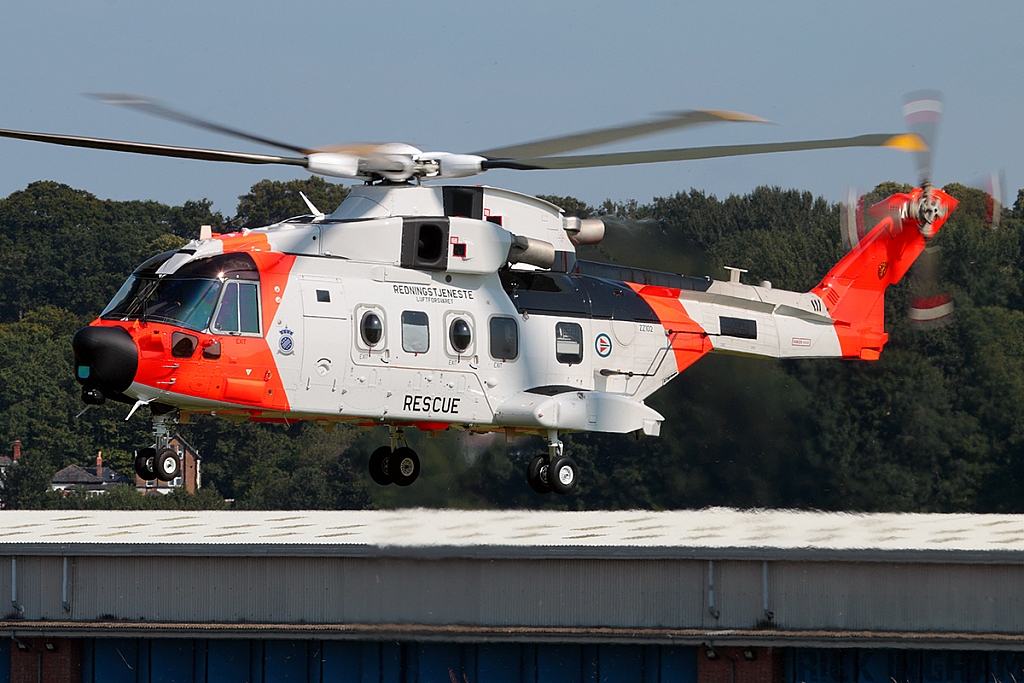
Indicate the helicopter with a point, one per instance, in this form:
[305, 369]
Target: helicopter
[439, 307]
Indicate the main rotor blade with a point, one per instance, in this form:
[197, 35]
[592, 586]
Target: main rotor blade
[155, 150]
[602, 136]
[154, 108]
[906, 142]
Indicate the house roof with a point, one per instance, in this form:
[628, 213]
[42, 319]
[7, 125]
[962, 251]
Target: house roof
[74, 474]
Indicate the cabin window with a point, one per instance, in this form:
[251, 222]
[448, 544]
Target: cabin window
[239, 311]
[504, 338]
[568, 343]
[460, 335]
[371, 329]
[415, 332]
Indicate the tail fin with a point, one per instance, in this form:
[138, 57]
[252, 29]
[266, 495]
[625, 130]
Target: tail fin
[854, 290]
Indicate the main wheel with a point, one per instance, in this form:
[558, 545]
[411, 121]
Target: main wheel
[537, 474]
[563, 475]
[167, 465]
[144, 466]
[405, 465]
[379, 468]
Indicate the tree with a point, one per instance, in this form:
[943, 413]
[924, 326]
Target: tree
[270, 201]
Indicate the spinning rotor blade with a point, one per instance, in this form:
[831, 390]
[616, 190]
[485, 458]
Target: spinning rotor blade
[922, 111]
[905, 142]
[995, 187]
[155, 150]
[930, 308]
[154, 108]
[602, 136]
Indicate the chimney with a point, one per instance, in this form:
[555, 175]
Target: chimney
[17, 450]
[99, 464]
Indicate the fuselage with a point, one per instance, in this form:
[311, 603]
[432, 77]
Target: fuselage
[402, 308]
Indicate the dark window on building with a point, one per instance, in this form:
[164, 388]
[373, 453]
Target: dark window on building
[415, 332]
[568, 343]
[504, 338]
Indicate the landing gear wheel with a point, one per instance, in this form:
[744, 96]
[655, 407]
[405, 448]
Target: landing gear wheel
[167, 465]
[144, 466]
[405, 466]
[537, 474]
[563, 475]
[379, 469]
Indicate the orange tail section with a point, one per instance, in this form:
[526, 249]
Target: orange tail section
[854, 290]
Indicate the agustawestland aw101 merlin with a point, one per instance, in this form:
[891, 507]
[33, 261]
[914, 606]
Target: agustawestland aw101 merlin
[465, 307]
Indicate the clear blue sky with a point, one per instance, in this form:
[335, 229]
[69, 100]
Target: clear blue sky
[467, 76]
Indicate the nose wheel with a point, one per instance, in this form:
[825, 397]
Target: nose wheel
[554, 472]
[159, 461]
[396, 464]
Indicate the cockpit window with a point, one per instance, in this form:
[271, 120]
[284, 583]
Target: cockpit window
[186, 302]
[239, 311]
[188, 297]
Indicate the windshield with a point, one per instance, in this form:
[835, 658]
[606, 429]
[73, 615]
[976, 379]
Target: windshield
[187, 302]
[187, 297]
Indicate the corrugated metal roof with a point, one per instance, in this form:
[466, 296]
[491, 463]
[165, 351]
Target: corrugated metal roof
[709, 533]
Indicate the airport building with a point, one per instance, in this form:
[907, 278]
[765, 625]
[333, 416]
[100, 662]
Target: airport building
[418, 596]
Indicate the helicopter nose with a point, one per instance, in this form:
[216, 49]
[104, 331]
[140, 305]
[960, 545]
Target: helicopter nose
[105, 361]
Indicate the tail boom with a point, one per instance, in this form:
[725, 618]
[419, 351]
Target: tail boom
[854, 290]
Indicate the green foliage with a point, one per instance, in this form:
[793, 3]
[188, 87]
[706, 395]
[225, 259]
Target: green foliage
[65, 248]
[270, 201]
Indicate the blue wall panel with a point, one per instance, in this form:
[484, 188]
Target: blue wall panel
[678, 665]
[806, 665]
[269, 661]
[341, 661]
[499, 663]
[171, 661]
[559, 664]
[621, 664]
[286, 661]
[227, 661]
[115, 660]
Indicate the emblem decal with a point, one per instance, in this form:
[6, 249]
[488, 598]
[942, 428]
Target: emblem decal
[603, 345]
[882, 268]
[286, 344]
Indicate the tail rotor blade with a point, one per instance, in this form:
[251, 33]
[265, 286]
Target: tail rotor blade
[922, 112]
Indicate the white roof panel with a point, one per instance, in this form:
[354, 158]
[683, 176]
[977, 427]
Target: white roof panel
[710, 533]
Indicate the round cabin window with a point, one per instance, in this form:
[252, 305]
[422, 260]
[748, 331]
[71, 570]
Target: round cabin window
[371, 329]
[460, 335]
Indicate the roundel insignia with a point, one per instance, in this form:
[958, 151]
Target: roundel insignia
[882, 268]
[286, 343]
[603, 345]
